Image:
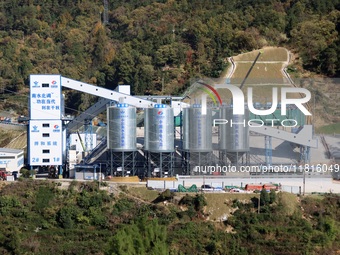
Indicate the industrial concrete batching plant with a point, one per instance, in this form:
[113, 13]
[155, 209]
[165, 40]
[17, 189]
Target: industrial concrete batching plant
[49, 130]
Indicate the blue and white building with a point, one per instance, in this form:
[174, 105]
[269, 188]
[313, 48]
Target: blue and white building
[46, 142]
[11, 159]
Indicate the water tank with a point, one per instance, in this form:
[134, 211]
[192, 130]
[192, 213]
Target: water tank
[121, 128]
[197, 129]
[234, 135]
[159, 129]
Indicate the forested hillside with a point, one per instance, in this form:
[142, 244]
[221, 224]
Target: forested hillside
[158, 44]
[42, 217]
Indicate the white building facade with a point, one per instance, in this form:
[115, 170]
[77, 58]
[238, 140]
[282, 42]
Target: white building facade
[11, 159]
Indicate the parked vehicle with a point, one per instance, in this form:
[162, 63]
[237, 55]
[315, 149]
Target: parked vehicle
[23, 119]
[253, 187]
[3, 175]
[259, 187]
[207, 187]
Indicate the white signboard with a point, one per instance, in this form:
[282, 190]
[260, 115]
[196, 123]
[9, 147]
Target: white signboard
[45, 97]
[45, 142]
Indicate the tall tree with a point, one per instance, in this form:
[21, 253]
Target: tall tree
[143, 237]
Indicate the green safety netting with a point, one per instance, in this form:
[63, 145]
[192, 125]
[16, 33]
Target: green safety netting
[232, 187]
[193, 188]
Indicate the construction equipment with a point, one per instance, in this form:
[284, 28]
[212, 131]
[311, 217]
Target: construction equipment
[52, 172]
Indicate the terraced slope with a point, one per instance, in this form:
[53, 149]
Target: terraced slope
[268, 72]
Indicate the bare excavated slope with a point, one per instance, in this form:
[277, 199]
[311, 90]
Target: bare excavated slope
[271, 71]
[268, 72]
[269, 68]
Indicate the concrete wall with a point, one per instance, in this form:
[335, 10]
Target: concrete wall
[291, 185]
[87, 176]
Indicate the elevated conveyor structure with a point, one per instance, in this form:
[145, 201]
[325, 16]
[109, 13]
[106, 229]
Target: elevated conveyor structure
[105, 93]
[304, 137]
[106, 96]
[90, 113]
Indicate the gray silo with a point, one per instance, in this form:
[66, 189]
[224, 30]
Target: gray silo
[197, 137]
[234, 135]
[197, 129]
[121, 128]
[121, 139]
[159, 140]
[159, 129]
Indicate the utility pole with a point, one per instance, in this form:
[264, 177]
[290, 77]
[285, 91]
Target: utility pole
[106, 13]
[162, 82]
[100, 175]
[304, 182]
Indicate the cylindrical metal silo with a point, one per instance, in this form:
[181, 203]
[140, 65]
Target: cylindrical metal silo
[197, 129]
[121, 128]
[234, 134]
[159, 129]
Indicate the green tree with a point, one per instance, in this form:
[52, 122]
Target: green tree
[264, 197]
[272, 196]
[44, 196]
[312, 37]
[329, 61]
[143, 238]
[67, 216]
[125, 63]
[199, 202]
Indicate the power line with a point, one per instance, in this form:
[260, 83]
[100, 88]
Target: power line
[28, 108]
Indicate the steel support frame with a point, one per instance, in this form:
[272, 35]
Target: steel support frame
[164, 161]
[234, 158]
[124, 159]
[193, 159]
[305, 154]
[268, 150]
